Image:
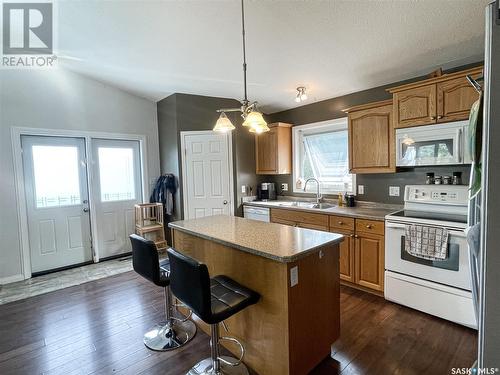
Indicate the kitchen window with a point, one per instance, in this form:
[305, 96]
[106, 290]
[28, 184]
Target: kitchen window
[321, 151]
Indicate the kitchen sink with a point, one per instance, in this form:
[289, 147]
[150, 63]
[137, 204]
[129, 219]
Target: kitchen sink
[319, 206]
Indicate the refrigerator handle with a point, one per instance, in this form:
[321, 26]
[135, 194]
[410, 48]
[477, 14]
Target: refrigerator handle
[497, 11]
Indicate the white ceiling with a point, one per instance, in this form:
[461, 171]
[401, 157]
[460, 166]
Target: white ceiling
[156, 48]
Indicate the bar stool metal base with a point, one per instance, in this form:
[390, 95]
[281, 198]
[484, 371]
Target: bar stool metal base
[169, 335]
[205, 367]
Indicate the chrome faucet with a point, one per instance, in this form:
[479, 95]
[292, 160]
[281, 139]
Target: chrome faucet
[318, 193]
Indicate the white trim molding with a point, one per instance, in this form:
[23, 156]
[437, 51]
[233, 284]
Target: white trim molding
[11, 279]
[16, 133]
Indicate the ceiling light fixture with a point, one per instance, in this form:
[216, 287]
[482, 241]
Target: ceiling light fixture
[253, 119]
[301, 94]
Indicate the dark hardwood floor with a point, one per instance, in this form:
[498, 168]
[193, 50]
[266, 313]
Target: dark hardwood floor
[97, 328]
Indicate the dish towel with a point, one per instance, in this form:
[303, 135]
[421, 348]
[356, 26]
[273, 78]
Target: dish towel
[426, 242]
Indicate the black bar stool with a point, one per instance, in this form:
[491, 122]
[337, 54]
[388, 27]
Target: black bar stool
[173, 332]
[213, 300]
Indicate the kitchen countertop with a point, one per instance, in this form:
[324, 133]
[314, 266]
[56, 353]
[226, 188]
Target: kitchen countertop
[279, 242]
[369, 210]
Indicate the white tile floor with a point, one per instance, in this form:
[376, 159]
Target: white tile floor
[63, 279]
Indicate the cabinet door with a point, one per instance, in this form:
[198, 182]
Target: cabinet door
[266, 154]
[369, 258]
[455, 98]
[371, 138]
[415, 106]
[346, 255]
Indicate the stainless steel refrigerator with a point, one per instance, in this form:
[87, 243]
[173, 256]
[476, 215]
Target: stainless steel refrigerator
[485, 208]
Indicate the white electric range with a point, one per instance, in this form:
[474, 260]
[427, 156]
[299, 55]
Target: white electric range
[441, 288]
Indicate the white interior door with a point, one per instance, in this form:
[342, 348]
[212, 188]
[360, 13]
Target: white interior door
[207, 175]
[55, 177]
[117, 187]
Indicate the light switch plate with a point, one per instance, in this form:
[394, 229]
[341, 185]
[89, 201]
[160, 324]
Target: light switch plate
[284, 187]
[294, 276]
[361, 189]
[394, 191]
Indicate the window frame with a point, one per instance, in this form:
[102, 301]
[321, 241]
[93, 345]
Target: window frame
[339, 124]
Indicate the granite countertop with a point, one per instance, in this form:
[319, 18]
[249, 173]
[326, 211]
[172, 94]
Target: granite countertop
[279, 242]
[363, 210]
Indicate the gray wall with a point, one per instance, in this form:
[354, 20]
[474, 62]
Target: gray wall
[58, 99]
[376, 185]
[184, 112]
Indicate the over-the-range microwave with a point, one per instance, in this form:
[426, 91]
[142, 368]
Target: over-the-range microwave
[442, 144]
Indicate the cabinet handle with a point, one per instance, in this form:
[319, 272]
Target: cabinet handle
[440, 117]
[433, 117]
[352, 236]
[356, 236]
[341, 223]
[369, 226]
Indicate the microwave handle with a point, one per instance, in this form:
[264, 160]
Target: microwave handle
[460, 146]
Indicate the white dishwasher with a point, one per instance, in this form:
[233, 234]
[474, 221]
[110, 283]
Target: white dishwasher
[256, 213]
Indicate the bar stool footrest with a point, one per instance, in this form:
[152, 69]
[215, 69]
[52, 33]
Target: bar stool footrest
[205, 367]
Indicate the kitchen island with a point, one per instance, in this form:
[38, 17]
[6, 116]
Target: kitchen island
[296, 272]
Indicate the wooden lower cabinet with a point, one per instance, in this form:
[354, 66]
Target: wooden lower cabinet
[346, 255]
[361, 254]
[369, 261]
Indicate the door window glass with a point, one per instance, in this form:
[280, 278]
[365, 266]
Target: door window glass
[116, 174]
[57, 181]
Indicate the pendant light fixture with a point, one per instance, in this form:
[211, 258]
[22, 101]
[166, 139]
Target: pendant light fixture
[253, 119]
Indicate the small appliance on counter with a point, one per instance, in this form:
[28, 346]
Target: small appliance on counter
[266, 191]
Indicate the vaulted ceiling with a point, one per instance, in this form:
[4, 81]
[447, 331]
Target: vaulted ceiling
[156, 48]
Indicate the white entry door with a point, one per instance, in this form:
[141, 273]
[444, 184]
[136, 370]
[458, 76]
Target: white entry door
[117, 187]
[55, 177]
[207, 175]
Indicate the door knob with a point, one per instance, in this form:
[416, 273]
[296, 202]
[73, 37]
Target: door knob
[224, 202]
[86, 209]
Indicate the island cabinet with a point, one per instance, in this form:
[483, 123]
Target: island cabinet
[273, 150]
[361, 254]
[371, 138]
[435, 100]
[290, 330]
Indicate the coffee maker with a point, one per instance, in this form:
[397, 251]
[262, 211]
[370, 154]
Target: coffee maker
[266, 191]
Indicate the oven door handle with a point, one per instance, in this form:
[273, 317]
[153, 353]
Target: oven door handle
[394, 225]
[452, 232]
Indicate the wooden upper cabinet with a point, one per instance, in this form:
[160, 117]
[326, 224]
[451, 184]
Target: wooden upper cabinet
[415, 106]
[273, 150]
[435, 100]
[371, 138]
[454, 99]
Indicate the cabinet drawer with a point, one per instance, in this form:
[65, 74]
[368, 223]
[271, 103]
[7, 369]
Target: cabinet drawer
[299, 217]
[312, 226]
[281, 221]
[342, 222]
[370, 226]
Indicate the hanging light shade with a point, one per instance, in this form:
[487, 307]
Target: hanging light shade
[223, 124]
[256, 122]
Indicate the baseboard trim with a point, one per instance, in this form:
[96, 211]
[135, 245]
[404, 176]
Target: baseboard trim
[11, 279]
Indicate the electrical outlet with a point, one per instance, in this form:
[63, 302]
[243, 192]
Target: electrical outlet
[394, 191]
[294, 276]
[361, 189]
[284, 187]
[243, 189]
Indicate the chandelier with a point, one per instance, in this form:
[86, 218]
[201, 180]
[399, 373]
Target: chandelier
[253, 119]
